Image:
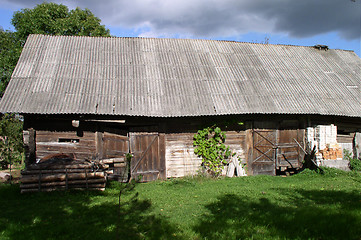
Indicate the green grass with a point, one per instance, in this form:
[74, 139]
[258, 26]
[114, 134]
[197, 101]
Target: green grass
[304, 206]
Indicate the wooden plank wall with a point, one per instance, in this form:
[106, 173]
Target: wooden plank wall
[181, 160]
[48, 142]
[346, 143]
[179, 154]
[236, 140]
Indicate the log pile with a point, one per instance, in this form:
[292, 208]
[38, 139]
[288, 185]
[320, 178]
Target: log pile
[62, 173]
[116, 168]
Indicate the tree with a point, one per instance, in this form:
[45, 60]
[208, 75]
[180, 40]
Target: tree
[45, 18]
[56, 19]
[10, 49]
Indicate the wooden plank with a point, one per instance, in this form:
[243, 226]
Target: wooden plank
[345, 138]
[41, 146]
[53, 136]
[161, 156]
[79, 156]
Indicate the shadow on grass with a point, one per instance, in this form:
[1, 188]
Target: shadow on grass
[306, 215]
[78, 215]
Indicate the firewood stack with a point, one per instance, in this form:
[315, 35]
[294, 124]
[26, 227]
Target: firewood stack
[62, 172]
[116, 168]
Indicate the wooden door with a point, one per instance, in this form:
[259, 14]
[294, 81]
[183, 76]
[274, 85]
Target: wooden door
[115, 143]
[115, 148]
[275, 149]
[148, 161]
[264, 151]
[289, 152]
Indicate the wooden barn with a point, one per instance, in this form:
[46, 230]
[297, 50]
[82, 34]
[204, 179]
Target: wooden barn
[100, 98]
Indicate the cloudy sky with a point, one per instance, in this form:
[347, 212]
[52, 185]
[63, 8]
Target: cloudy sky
[336, 23]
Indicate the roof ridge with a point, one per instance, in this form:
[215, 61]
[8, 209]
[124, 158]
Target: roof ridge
[189, 39]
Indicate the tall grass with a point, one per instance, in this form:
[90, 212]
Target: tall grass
[304, 206]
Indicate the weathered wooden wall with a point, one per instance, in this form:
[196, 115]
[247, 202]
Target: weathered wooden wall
[81, 147]
[180, 158]
[99, 140]
[171, 154]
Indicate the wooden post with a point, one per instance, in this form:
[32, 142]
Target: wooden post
[161, 151]
[66, 178]
[29, 146]
[39, 187]
[86, 179]
[161, 155]
[249, 147]
[99, 144]
[32, 146]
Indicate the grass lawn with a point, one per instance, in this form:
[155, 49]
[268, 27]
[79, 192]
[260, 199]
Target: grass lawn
[304, 206]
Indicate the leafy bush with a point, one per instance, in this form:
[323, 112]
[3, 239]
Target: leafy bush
[209, 143]
[11, 141]
[354, 163]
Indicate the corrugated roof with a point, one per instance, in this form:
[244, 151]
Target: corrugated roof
[179, 77]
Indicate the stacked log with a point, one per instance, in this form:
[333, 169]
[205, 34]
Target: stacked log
[116, 168]
[62, 175]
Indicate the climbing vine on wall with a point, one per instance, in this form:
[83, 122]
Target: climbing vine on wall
[209, 143]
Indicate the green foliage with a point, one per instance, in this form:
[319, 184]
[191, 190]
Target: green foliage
[11, 144]
[354, 163]
[56, 19]
[10, 49]
[209, 143]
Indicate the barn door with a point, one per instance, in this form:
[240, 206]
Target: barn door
[264, 151]
[276, 149]
[147, 161]
[289, 153]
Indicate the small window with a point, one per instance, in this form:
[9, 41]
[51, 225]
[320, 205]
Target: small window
[68, 140]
